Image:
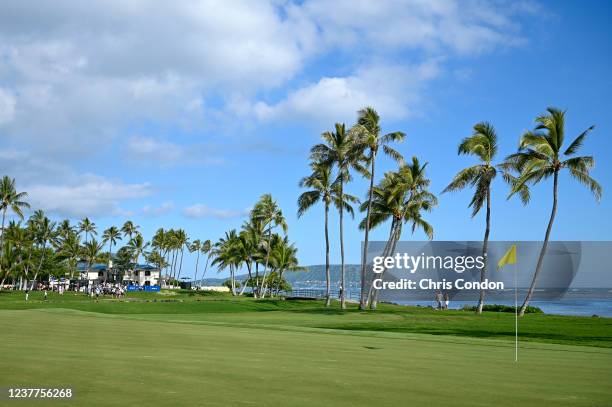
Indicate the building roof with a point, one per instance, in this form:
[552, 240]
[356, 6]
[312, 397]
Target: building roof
[82, 267]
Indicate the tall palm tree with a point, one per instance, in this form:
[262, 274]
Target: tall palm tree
[323, 189]
[253, 230]
[20, 240]
[137, 246]
[111, 235]
[205, 249]
[44, 232]
[88, 227]
[182, 241]
[160, 244]
[129, 229]
[368, 129]
[482, 144]
[13, 200]
[65, 228]
[401, 197]
[343, 150]
[540, 157]
[267, 211]
[91, 252]
[196, 246]
[224, 253]
[284, 258]
[71, 250]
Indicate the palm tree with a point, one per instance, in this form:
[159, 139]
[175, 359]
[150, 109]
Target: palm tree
[20, 241]
[343, 150]
[253, 230]
[91, 252]
[160, 244]
[266, 211]
[65, 228]
[88, 227]
[225, 255]
[400, 196]
[323, 189]
[541, 156]
[137, 246]
[71, 250]
[181, 242]
[111, 235]
[129, 229]
[13, 200]
[482, 144]
[205, 249]
[368, 128]
[44, 232]
[284, 258]
[196, 246]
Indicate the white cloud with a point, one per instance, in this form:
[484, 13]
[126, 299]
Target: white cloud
[155, 211]
[7, 106]
[78, 76]
[95, 197]
[202, 211]
[467, 27]
[60, 190]
[85, 71]
[146, 148]
[393, 90]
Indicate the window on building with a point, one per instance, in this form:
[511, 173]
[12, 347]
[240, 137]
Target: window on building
[147, 273]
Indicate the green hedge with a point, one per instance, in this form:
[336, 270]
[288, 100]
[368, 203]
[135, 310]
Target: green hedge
[503, 308]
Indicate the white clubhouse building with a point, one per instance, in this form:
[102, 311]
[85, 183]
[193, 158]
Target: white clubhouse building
[143, 275]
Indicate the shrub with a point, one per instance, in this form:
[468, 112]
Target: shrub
[503, 308]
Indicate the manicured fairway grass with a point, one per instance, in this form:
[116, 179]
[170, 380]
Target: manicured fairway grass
[224, 352]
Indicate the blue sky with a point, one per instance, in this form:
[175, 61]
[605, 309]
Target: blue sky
[182, 115]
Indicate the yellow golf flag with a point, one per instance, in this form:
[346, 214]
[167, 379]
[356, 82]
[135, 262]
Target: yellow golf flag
[509, 257]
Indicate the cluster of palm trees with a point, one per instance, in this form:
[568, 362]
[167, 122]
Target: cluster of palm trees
[402, 196]
[41, 247]
[265, 253]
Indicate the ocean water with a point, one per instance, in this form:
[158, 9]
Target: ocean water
[576, 301]
[585, 307]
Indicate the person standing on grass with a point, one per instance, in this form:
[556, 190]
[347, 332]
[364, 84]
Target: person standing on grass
[439, 299]
[27, 292]
[45, 294]
[446, 300]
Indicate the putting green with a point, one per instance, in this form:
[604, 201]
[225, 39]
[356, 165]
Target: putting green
[117, 359]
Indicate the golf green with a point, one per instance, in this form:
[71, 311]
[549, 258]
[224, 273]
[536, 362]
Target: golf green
[192, 359]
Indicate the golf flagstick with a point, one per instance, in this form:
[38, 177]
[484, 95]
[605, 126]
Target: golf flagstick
[515, 313]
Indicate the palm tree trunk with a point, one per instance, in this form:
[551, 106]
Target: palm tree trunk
[42, 257]
[391, 249]
[385, 253]
[364, 257]
[342, 277]
[2, 243]
[180, 265]
[544, 246]
[327, 272]
[263, 281]
[205, 267]
[485, 246]
[181, 262]
[195, 278]
[256, 292]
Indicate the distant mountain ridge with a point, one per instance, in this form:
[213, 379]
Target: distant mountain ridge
[315, 276]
